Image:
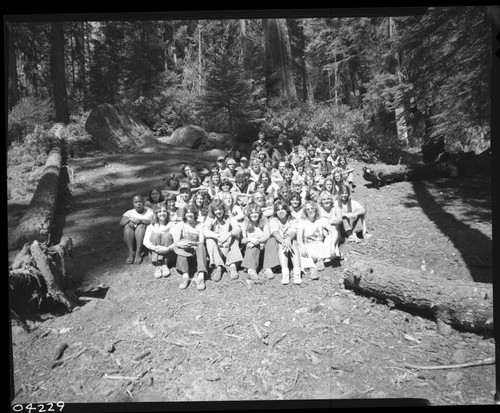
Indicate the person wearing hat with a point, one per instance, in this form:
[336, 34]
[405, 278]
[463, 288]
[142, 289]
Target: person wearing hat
[279, 154]
[190, 249]
[230, 171]
[221, 162]
[184, 195]
[243, 167]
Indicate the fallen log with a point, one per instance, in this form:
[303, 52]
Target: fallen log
[37, 280]
[446, 165]
[463, 305]
[36, 222]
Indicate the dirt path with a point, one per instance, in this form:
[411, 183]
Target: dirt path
[149, 341]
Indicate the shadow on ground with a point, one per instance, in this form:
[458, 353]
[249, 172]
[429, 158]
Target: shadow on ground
[474, 246]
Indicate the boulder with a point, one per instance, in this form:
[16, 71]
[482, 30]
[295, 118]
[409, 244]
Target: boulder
[116, 130]
[188, 136]
[220, 140]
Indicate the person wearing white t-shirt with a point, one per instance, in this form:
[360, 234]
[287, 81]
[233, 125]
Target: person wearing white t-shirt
[134, 223]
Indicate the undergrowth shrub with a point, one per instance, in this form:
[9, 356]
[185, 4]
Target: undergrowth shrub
[319, 123]
[26, 116]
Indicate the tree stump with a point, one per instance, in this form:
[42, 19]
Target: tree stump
[37, 280]
[464, 305]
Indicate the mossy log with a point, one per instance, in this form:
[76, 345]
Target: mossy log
[464, 305]
[36, 222]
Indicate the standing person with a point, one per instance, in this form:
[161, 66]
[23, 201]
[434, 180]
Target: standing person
[347, 172]
[254, 236]
[283, 228]
[154, 198]
[134, 223]
[353, 217]
[314, 246]
[333, 216]
[190, 249]
[279, 154]
[222, 234]
[159, 241]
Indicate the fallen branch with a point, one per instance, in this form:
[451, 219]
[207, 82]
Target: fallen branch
[62, 361]
[131, 378]
[490, 360]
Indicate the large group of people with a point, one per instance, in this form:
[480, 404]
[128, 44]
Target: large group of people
[284, 209]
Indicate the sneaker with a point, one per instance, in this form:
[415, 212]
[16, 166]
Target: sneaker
[165, 271]
[268, 273]
[353, 238]
[297, 280]
[200, 281]
[216, 274]
[233, 272]
[158, 272]
[314, 274]
[185, 282]
[285, 276]
[252, 274]
[320, 265]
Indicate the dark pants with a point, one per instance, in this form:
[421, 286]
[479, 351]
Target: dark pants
[196, 263]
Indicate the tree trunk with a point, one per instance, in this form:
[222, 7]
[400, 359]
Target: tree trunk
[447, 165]
[58, 73]
[36, 222]
[464, 305]
[13, 90]
[279, 74]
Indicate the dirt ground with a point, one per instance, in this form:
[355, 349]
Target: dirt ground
[144, 340]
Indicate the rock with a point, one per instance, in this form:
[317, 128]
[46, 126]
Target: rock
[189, 136]
[220, 140]
[116, 130]
[214, 154]
[459, 357]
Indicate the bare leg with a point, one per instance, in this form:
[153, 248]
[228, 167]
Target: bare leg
[139, 238]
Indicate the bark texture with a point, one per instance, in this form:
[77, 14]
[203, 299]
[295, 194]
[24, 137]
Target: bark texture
[464, 305]
[36, 222]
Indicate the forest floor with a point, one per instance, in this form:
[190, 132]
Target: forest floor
[144, 340]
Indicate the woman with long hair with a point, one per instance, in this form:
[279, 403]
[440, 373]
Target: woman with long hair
[190, 249]
[213, 184]
[313, 241]
[202, 201]
[283, 228]
[158, 239]
[154, 198]
[333, 216]
[222, 233]
[347, 171]
[254, 236]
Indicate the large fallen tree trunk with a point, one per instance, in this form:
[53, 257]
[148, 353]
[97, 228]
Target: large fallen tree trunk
[38, 277]
[464, 305]
[446, 165]
[36, 222]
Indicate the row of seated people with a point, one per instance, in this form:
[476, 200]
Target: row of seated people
[291, 217]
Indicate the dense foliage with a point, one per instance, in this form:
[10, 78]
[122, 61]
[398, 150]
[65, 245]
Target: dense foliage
[365, 84]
